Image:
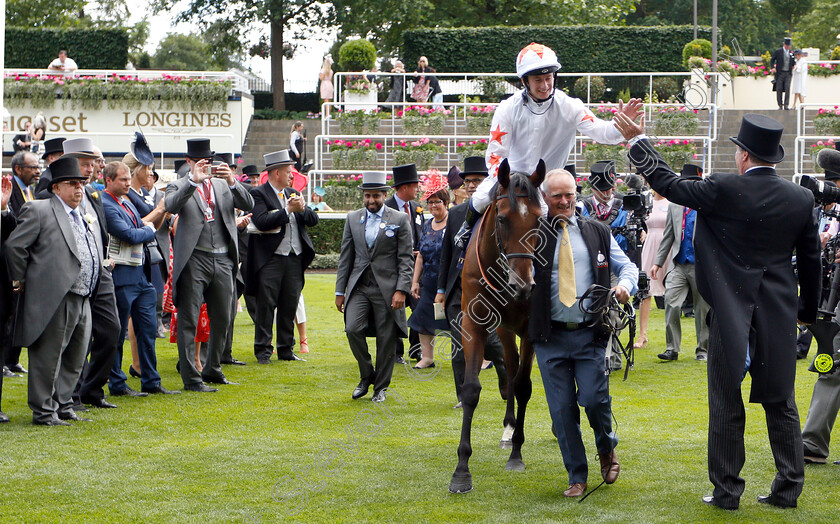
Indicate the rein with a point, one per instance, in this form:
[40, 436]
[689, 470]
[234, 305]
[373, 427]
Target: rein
[502, 253]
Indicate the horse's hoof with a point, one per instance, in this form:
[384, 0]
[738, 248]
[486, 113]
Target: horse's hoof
[461, 484]
[505, 444]
[515, 465]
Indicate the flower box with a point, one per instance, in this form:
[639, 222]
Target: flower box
[676, 120]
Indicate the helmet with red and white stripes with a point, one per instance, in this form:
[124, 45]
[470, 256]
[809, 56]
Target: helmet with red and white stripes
[536, 59]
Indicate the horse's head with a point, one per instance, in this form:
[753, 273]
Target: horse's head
[517, 222]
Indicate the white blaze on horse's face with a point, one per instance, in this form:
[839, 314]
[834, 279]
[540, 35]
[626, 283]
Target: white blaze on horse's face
[523, 209]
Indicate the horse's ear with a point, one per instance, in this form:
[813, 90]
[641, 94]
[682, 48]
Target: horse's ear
[504, 173]
[538, 175]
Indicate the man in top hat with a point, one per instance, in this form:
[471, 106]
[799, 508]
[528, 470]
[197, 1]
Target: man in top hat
[605, 204]
[56, 257]
[253, 174]
[206, 256]
[748, 226]
[278, 255]
[449, 283]
[7, 225]
[781, 65]
[406, 183]
[678, 246]
[375, 268]
[53, 149]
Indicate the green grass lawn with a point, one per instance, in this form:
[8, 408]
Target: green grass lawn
[289, 444]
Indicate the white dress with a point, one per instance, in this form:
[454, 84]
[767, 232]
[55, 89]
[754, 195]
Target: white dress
[800, 77]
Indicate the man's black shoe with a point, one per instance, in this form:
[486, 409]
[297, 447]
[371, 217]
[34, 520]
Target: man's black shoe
[8, 373]
[263, 361]
[79, 408]
[160, 390]
[362, 389]
[233, 362]
[710, 500]
[288, 354]
[3, 417]
[51, 422]
[400, 360]
[801, 355]
[74, 417]
[201, 387]
[379, 396]
[669, 355]
[773, 501]
[219, 380]
[128, 392]
[17, 368]
[99, 403]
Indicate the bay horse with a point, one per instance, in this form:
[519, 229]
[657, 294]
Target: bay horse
[497, 281]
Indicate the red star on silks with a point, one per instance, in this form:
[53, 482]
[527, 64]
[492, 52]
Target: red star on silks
[495, 159]
[497, 134]
[533, 46]
[588, 116]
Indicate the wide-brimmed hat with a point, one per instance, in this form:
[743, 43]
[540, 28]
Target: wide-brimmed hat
[602, 175]
[405, 174]
[434, 182]
[79, 148]
[474, 165]
[250, 170]
[454, 178]
[320, 191]
[53, 145]
[65, 168]
[278, 158]
[199, 148]
[373, 180]
[140, 150]
[760, 136]
[691, 171]
[227, 158]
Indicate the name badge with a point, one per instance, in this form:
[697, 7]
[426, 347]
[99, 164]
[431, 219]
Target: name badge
[208, 214]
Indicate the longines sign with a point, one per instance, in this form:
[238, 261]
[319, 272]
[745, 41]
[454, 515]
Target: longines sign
[166, 130]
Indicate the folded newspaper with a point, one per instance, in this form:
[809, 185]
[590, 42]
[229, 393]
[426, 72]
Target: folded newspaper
[125, 254]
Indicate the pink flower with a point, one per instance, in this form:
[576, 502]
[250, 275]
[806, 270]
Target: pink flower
[460, 144]
[378, 146]
[820, 143]
[328, 142]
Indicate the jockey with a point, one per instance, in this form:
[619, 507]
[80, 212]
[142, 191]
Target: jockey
[537, 122]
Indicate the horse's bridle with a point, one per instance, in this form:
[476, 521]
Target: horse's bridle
[505, 256]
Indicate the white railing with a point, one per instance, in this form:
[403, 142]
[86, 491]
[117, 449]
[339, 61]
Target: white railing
[240, 82]
[805, 133]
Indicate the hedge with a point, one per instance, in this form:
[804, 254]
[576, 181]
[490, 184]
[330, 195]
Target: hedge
[301, 102]
[90, 48]
[326, 236]
[580, 49]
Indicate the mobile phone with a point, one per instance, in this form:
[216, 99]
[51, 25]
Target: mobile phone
[214, 169]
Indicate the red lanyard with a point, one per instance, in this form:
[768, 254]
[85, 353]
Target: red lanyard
[127, 210]
[207, 198]
[686, 211]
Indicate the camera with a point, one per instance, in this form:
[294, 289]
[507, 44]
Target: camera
[823, 193]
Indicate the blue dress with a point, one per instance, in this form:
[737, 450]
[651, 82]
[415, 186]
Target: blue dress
[422, 317]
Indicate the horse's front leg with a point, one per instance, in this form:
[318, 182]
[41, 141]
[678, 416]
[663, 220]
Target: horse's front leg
[522, 390]
[473, 338]
[508, 339]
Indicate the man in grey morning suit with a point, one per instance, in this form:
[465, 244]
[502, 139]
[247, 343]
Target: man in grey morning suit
[678, 247]
[373, 280]
[206, 255]
[55, 254]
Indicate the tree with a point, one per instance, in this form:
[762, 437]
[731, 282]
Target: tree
[43, 13]
[820, 27]
[182, 52]
[240, 15]
[789, 11]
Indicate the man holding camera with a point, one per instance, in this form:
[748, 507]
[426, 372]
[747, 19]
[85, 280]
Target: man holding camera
[605, 205]
[206, 256]
[680, 226]
[748, 226]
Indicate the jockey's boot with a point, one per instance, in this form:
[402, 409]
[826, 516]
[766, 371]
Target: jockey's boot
[462, 237]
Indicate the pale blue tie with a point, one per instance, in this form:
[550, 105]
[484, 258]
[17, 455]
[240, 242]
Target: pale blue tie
[371, 229]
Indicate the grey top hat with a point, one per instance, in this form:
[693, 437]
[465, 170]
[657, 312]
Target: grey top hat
[79, 148]
[278, 158]
[374, 180]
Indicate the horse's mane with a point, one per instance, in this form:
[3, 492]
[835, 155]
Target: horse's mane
[520, 184]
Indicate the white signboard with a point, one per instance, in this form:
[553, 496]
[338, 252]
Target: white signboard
[166, 129]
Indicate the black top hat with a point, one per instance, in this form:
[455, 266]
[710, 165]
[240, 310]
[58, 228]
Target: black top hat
[691, 171]
[199, 148]
[474, 165]
[831, 175]
[405, 174]
[141, 151]
[251, 170]
[374, 180]
[787, 41]
[571, 169]
[53, 145]
[65, 168]
[227, 158]
[454, 178]
[760, 136]
[837, 145]
[602, 175]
